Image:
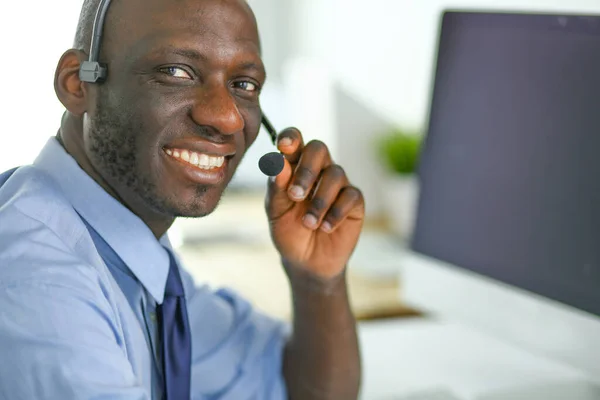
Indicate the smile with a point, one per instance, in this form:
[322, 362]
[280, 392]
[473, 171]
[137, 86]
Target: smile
[198, 160]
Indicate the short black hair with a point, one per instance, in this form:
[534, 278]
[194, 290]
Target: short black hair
[83, 35]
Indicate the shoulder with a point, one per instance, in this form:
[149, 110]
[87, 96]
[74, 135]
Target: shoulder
[47, 273]
[32, 195]
[40, 232]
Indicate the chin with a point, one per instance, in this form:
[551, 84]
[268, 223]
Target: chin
[194, 212]
[198, 205]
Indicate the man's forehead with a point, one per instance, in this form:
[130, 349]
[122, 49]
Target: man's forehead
[157, 20]
[128, 7]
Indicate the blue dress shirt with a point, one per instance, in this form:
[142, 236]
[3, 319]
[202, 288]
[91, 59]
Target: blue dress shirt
[78, 303]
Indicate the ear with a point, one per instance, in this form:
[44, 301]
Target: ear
[71, 91]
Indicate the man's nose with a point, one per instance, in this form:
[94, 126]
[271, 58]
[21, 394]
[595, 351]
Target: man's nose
[216, 107]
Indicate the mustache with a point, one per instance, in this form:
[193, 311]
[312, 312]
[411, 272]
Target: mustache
[211, 134]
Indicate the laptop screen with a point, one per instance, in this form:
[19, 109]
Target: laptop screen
[510, 170]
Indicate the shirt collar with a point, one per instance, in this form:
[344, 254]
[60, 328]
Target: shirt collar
[124, 231]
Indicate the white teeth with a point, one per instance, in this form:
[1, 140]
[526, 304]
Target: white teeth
[194, 159]
[202, 161]
[185, 155]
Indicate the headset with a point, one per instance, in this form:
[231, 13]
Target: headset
[93, 71]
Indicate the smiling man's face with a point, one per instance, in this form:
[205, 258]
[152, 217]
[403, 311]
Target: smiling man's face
[181, 103]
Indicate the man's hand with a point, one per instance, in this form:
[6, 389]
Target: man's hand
[315, 214]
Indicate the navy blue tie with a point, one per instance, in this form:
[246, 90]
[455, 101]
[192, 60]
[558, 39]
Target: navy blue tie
[175, 335]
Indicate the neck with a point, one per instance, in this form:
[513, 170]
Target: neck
[70, 136]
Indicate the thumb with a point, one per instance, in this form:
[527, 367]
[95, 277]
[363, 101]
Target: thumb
[278, 200]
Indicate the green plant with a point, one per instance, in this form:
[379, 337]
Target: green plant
[400, 151]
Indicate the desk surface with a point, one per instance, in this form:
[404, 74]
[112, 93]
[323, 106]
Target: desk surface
[412, 355]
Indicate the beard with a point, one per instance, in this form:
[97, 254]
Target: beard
[116, 145]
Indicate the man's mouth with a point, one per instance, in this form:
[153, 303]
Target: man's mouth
[198, 160]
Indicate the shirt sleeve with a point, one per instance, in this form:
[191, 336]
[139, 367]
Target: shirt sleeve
[237, 352]
[58, 334]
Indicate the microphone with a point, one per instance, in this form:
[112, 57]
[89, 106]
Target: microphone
[271, 164]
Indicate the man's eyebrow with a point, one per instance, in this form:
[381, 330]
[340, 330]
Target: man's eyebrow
[188, 53]
[254, 66]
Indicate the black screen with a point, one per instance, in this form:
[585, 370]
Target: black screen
[510, 170]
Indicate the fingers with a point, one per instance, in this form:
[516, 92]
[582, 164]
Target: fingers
[332, 181]
[309, 175]
[349, 204]
[299, 179]
[314, 159]
[277, 200]
[290, 143]
[282, 181]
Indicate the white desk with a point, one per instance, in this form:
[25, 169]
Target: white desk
[403, 356]
[412, 355]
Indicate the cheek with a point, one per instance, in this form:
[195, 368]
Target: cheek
[154, 118]
[152, 107]
[153, 114]
[253, 121]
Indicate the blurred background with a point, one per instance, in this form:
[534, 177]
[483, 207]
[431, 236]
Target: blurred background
[354, 74]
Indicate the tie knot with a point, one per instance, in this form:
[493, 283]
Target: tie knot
[174, 286]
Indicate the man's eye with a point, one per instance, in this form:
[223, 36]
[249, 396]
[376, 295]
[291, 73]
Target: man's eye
[247, 86]
[176, 72]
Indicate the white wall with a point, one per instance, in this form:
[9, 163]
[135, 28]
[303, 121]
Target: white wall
[33, 36]
[382, 50]
[380, 53]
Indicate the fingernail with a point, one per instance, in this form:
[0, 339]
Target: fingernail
[310, 220]
[285, 141]
[297, 192]
[326, 226]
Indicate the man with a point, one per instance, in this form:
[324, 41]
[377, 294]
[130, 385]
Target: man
[93, 303]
